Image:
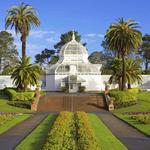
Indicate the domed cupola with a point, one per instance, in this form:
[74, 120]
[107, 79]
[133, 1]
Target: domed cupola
[73, 49]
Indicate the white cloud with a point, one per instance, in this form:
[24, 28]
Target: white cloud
[30, 47]
[41, 33]
[94, 35]
[91, 35]
[101, 35]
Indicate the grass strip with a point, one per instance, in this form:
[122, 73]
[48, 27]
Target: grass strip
[12, 122]
[144, 128]
[36, 139]
[106, 140]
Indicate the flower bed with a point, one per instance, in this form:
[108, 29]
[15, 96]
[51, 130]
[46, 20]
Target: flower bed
[71, 132]
[85, 136]
[62, 134]
[6, 117]
[144, 119]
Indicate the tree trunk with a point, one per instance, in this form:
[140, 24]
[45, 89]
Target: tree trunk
[23, 39]
[129, 86]
[146, 66]
[123, 73]
[119, 83]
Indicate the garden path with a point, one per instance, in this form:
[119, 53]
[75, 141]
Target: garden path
[128, 135]
[10, 138]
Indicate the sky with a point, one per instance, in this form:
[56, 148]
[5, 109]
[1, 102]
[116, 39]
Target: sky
[91, 18]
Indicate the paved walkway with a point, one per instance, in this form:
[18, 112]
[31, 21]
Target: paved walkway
[129, 136]
[16, 134]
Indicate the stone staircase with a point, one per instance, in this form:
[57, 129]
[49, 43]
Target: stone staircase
[51, 103]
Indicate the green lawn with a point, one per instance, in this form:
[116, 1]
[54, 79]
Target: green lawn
[36, 139]
[10, 123]
[106, 139]
[4, 107]
[142, 106]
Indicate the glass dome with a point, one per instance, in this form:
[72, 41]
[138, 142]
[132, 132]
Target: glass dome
[73, 48]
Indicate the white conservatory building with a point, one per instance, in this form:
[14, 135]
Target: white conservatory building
[73, 70]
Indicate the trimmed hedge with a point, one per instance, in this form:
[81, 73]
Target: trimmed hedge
[21, 104]
[19, 96]
[85, 136]
[62, 134]
[124, 98]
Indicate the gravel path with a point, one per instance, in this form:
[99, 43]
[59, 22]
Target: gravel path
[129, 136]
[16, 134]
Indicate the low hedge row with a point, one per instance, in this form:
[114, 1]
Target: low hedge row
[19, 96]
[85, 136]
[21, 104]
[124, 104]
[62, 134]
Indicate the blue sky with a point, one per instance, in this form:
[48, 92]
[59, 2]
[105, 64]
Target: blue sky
[90, 18]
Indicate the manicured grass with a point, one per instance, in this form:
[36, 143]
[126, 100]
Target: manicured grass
[36, 139]
[145, 128]
[142, 106]
[106, 140]
[4, 107]
[10, 123]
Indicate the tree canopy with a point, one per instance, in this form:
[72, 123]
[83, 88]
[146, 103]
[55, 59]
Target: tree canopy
[67, 37]
[8, 51]
[22, 17]
[123, 36]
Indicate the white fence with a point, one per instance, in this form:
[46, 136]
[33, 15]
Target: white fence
[6, 81]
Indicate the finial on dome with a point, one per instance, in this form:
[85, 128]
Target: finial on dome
[73, 36]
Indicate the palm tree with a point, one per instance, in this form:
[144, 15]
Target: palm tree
[123, 37]
[26, 74]
[22, 17]
[133, 71]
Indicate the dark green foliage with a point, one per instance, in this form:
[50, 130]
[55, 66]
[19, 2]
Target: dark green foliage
[8, 52]
[21, 104]
[54, 60]
[67, 37]
[145, 51]
[81, 88]
[45, 56]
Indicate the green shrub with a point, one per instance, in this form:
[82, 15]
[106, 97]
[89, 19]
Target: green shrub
[134, 90]
[24, 96]
[85, 136]
[11, 93]
[19, 96]
[64, 88]
[124, 98]
[62, 134]
[81, 88]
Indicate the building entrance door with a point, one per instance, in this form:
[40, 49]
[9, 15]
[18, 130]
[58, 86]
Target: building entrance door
[73, 88]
